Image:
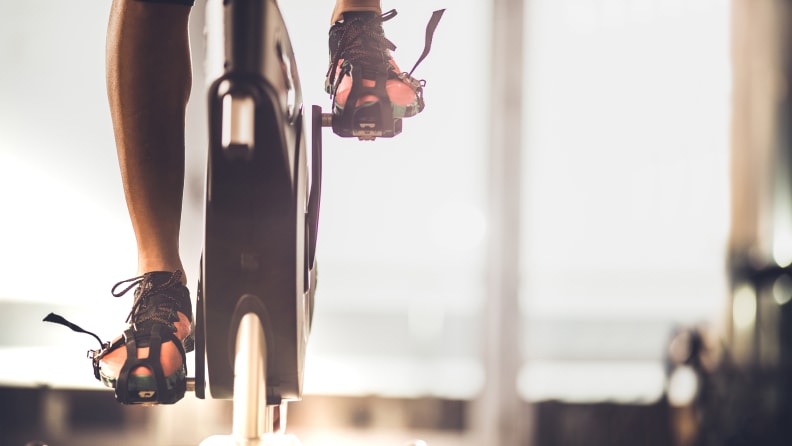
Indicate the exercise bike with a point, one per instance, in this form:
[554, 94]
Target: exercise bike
[258, 267]
[258, 271]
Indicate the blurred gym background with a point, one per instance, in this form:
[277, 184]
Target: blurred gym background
[583, 239]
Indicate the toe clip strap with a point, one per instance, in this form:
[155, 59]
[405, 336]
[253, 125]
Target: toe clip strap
[94, 355]
[164, 393]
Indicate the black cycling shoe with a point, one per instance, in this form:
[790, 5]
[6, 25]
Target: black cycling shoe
[158, 298]
[370, 93]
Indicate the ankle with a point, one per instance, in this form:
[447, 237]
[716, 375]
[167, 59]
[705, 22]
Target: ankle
[344, 6]
[151, 266]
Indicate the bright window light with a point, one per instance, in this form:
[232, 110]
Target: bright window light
[625, 182]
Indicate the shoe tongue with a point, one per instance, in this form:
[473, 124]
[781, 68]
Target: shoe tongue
[157, 278]
[336, 29]
[165, 289]
[362, 17]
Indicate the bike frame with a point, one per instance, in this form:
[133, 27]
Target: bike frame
[255, 295]
[263, 189]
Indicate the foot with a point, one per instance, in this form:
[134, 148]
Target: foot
[170, 358]
[161, 300]
[358, 48]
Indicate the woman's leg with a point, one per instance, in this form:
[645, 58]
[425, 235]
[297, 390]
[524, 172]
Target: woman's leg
[148, 84]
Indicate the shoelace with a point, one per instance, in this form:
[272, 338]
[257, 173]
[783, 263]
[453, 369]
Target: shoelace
[145, 290]
[362, 42]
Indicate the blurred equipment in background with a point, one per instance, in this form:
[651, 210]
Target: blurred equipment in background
[739, 379]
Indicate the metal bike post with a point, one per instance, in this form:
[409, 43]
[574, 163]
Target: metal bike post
[250, 398]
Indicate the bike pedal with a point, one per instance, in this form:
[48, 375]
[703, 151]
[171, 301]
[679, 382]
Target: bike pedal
[365, 124]
[368, 131]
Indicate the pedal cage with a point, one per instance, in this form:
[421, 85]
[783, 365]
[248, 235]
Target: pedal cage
[370, 121]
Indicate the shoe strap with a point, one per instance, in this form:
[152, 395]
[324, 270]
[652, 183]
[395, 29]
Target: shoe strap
[152, 362]
[58, 319]
[94, 355]
[430, 30]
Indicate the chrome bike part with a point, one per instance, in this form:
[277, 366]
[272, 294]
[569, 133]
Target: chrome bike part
[238, 124]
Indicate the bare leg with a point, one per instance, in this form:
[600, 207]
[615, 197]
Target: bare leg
[148, 84]
[342, 6]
